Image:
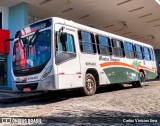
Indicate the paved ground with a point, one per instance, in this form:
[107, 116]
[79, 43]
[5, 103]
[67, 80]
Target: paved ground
[111, 105]
[9, 96]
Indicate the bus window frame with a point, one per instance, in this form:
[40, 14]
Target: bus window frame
[73, 38]
[118, 48]
[146, 53]
[151, 49]
[129, 50]
[95, 42]
[110, 42]
[139, 52]
[64, 52]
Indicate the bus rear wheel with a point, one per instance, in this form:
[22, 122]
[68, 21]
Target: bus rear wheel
[90, 85]
[141, 81]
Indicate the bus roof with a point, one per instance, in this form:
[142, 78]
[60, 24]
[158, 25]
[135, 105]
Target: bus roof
[89, 29]
[96, 31]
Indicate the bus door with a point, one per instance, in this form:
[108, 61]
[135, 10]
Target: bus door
[67, 60]
[148, 63]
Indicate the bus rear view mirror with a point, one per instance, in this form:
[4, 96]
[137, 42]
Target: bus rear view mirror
[63, 37]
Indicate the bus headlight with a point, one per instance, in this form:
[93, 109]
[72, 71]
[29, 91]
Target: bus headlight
[47, 72]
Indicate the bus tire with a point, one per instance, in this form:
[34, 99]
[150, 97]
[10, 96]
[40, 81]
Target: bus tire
[141, 81]
[90, 85]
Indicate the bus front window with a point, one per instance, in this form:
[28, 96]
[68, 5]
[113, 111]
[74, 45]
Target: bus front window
[32, 51]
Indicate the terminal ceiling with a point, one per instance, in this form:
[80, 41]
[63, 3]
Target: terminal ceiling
[135, 19]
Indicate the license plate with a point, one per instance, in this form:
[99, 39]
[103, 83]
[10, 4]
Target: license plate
[26, 89]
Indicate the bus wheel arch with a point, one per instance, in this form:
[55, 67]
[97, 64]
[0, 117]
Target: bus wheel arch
[94, 72]
[91, 82]
[141, 70]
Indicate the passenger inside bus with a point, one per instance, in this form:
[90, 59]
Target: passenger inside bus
[65, 44]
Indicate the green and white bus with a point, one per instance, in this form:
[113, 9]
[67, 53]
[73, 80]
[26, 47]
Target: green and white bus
[56, 54]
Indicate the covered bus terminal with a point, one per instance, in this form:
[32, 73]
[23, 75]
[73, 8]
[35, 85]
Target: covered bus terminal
[134, 19]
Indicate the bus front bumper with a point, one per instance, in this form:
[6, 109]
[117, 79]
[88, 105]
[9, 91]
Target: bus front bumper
[39, 85]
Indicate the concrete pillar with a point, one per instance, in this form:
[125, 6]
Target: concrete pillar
[18, 18]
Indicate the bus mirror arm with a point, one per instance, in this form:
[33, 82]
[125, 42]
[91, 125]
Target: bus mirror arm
[7, 40]
[61, 29]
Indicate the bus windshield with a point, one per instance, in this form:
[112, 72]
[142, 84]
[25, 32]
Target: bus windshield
[32, 51]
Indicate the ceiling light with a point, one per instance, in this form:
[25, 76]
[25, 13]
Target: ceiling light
[109, 26]
[69, 9]
[153, 20]
[156, 25]
[145, 15]
[136, 9]
[85, 16]
[118, 30]
[44, 2]
[124, 2]
[127, 33]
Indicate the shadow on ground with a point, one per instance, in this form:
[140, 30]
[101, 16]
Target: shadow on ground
[58, 96]
[105, 118]
[88, 117]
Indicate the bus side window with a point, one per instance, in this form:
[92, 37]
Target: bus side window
[70, 44]
[146, 53]
[151, 54]
[65, 46]
[87, 42]
[104, 45]
[129, 51]
[58, 43]
[118, 48]
[138, 52]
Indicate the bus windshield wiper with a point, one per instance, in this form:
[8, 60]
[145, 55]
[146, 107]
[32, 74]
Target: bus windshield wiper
[35, 34]
[21, 41]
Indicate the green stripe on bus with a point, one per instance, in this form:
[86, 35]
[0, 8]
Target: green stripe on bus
[123, 74]
[150, 75]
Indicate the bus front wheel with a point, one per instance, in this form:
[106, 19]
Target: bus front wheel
[90, 85]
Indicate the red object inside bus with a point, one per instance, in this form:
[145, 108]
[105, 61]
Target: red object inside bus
[4, 45]
[19, 53]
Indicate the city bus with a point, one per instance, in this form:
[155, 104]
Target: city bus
[57, 54]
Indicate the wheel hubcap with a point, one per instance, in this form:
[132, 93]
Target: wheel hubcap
[89, 84]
